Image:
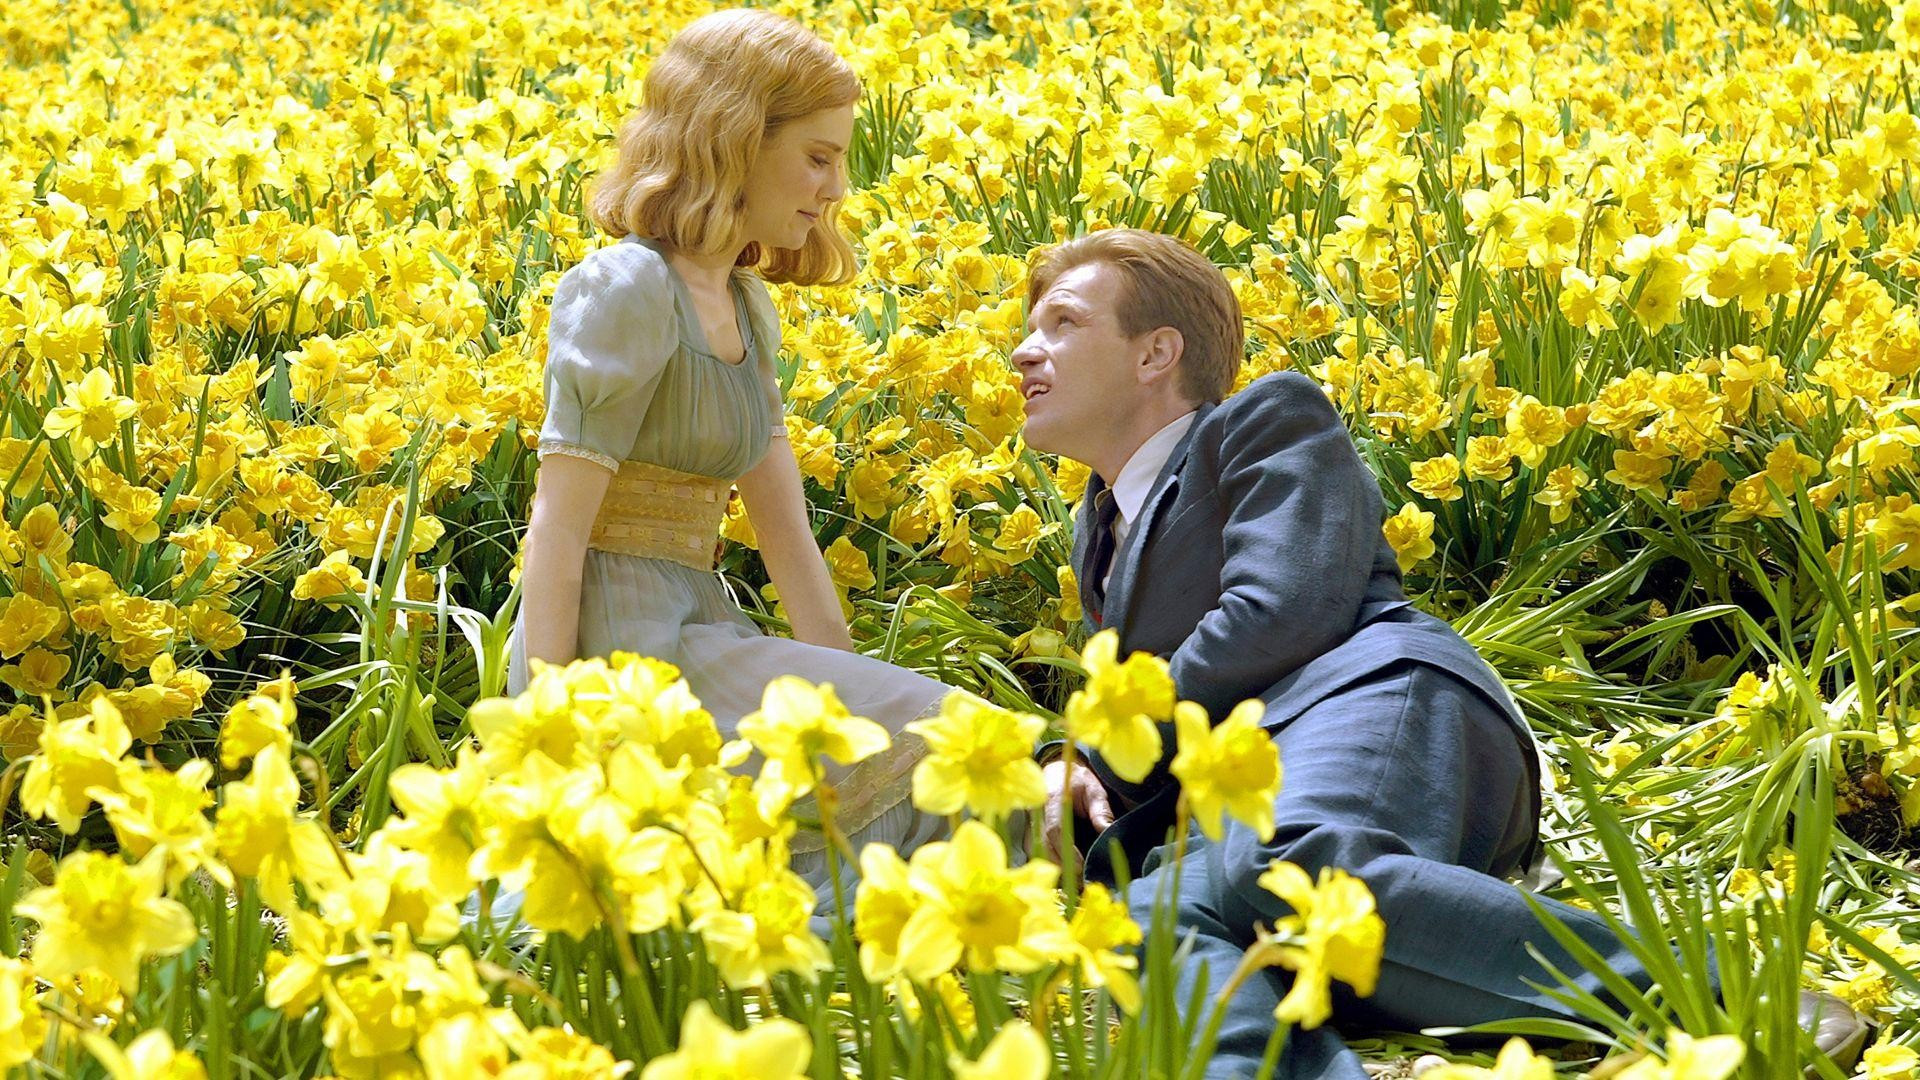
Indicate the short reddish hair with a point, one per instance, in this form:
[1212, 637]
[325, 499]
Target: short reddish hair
[1163, 282]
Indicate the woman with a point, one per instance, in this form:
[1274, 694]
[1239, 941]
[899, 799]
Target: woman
[662, 393]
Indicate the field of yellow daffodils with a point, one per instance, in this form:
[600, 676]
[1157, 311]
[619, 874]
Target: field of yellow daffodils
[1618, 298]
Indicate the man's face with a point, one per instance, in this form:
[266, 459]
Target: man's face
[1077, 370]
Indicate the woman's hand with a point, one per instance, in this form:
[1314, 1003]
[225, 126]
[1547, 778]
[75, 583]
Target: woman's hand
[566, 498]
[778, 509]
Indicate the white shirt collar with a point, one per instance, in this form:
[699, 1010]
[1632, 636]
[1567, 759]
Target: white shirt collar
[1135, 482]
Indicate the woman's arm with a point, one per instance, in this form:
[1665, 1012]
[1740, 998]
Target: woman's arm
[778, 510]
[566, 499]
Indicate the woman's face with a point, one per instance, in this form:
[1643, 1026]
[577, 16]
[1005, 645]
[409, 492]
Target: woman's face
[799, 171]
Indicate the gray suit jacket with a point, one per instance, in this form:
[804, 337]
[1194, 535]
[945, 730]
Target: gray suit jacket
[1259, 570]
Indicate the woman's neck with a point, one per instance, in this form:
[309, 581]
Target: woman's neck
[704, 272]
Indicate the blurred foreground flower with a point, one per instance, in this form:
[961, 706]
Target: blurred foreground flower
[150, 1057]
[972, 908]
[23, 1027]
[1017, 1052]
[1232, 769]
[107, 915]
[1121, 708]
[1335, 934]
[980, 756]
[1687, 1058]
[1103, 934]
[1516, 1062]
[710, 1049]
[797, 724]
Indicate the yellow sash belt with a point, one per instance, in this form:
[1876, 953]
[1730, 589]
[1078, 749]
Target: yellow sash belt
[660, 513]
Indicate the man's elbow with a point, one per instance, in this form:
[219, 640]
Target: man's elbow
[1220, 682]
[1244, 665]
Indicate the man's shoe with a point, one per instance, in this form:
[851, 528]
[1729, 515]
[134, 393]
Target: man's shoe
[1837, 1030]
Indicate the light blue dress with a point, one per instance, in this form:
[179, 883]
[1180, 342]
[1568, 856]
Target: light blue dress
[630, 376]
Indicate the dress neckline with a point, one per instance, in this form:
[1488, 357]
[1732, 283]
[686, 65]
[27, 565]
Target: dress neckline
[692, 334]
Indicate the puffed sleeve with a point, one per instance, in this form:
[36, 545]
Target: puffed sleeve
[764, 318]
[608, 339]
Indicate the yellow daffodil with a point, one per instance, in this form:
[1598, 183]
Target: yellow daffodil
[1101, 929]
[1335, 934]
[533, 814]
[262, 719]
[24, 621]
[773, 1048]
[1121, 708]
[77, 758]
[23, 1027]
[91, 413]
[1069, 592]
[848, 565]
[1638, 470]
[1410, 533]
[469, 1044]
[762, 928]
[389, 890]
[1516, 1062]
[1563, 486]
[1231, 769]
[1017, 1052]
[976, 910]
[1687, 1058]
[39, 672]
[1489, 458]
[150, 1056]
[154, 808]
[797, 724]
[373, 1015]
[1533, 428]
[885, 902]
[104, 914]
[1886, 1060]
[557, 1052]
[1437, 478]
[442, 811]
[980, 756]
[260, 834]
[1492, 211]
[1587, 301]
[1021, 532]
[870, 486]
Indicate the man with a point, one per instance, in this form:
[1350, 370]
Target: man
[1241, 540]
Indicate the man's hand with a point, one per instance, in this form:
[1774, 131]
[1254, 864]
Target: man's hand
[1088, 799]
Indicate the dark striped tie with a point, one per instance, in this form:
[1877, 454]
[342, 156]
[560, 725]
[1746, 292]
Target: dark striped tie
[1101, 544]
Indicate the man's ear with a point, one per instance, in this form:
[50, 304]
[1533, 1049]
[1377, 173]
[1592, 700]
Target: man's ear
[1164, 347]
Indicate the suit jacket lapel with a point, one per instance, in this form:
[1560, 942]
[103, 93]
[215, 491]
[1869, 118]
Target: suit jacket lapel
[1090, 604]
[1126, 561]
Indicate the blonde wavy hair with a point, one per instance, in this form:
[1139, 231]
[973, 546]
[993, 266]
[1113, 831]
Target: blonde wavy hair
[725, 83]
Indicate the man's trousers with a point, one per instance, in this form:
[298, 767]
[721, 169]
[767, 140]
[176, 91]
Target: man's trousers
[1411, 782]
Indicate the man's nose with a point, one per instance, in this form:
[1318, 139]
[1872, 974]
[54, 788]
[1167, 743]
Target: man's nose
[1025, 355]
